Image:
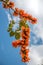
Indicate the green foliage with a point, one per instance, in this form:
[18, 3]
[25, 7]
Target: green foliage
[13, 22]
[26, 25]
[12, 33]
[9, 29]
[17, 35]
[22, 23]
[10, 26]
[6, 1]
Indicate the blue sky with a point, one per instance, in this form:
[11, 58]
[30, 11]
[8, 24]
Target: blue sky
[10, 55]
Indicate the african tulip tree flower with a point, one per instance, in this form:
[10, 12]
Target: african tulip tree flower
[8, 5]
[23, 30]
[11, 4]
[15, 14]
[16, 43]
[5, 6]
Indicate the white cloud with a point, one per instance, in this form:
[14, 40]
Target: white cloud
[30, 6]
[38, 29]
[9, 18]
[36, 55]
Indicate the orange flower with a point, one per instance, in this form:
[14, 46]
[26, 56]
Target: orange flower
[26, 15]
[11, 4]
[22, 55]
[18, 42]
[23, 46]
[26, 40]
[22, 43]
[8, 5]
[25, 59]
[26, 43]
[22, 40]
[23, 15]
[23, 28]
[16, 10]
[24, 36]
[34, 21]
[26, 18]
[27, 54]
[27, 50]
[5, 6]
[15, 14]
[27, 30]
[24, 51]
[28, 34]
[30, 17]
[14, 44]
[21, 12]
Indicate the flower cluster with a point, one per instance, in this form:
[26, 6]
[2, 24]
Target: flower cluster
[23, 43]
[24, 54]
[22, 14]
[25, 36]
[19, 12]
[23, 30]
[9, 4]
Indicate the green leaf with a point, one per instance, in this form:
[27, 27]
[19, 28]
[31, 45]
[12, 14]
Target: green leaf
[9, 29]
[22, 23]
[26, 25]
[13, 22]
[23, 20]
[12, 33]
[10, 25]
[17, 35]
[6, 1]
